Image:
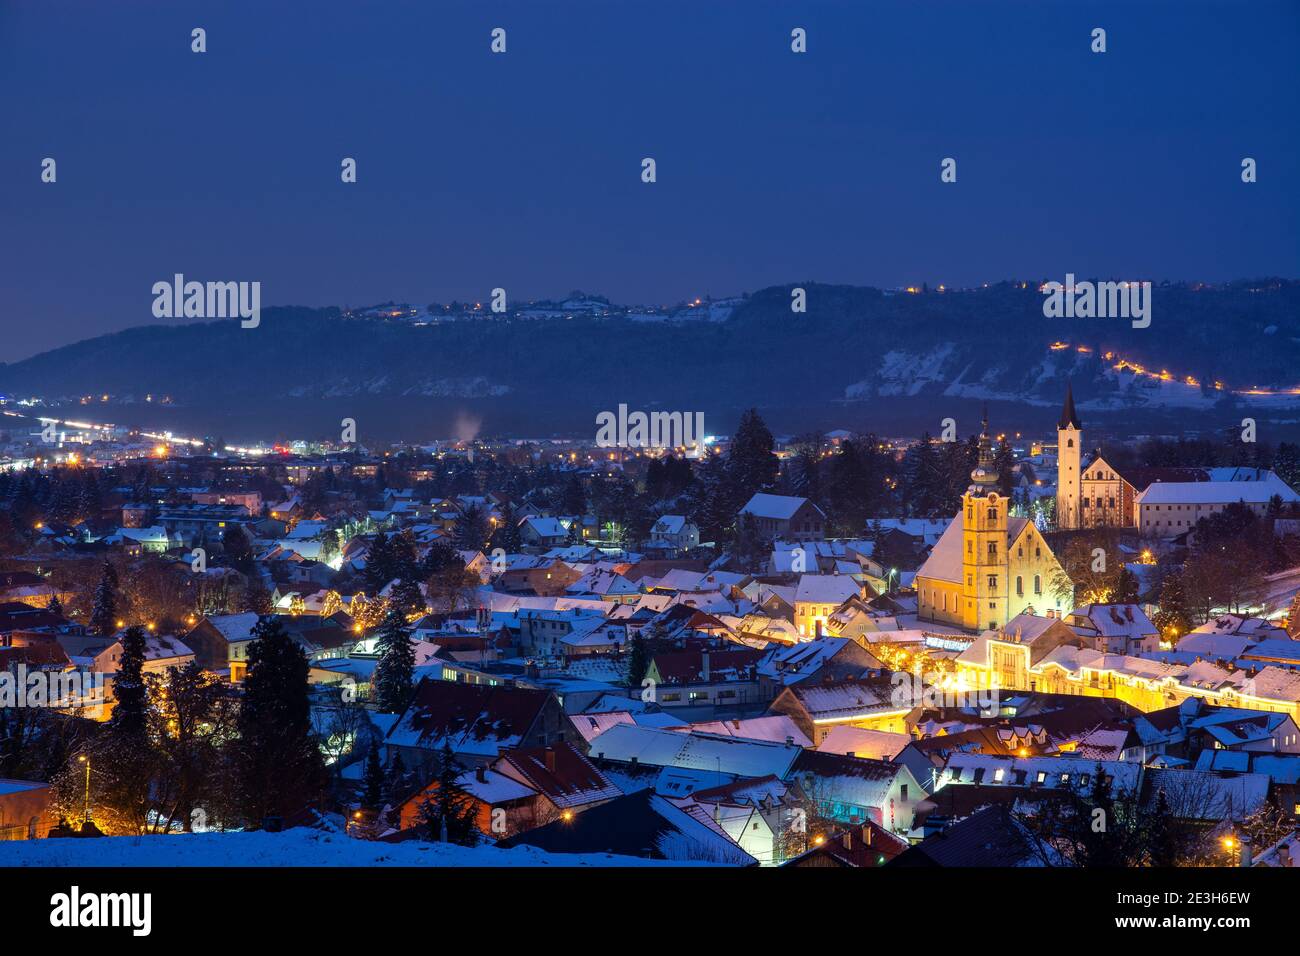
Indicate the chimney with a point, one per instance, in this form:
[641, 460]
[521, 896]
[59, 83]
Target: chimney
[817, 628]
[550, 760]
[848, 839]
[481, 774]
[704, 666]
[1245, 851]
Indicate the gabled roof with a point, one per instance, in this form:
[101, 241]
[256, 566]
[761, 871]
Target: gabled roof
[473, 718]
[642, 825]
[565, 776]
[776, 507]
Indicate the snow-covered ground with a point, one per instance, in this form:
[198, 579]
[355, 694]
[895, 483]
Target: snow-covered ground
[297, 847]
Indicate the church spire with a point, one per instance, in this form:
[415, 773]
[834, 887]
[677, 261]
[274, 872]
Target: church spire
[985, 476]
[1069, 417]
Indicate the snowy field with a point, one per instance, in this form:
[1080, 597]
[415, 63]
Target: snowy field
[299, 847]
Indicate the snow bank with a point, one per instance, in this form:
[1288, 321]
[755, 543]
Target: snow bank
[297, 847]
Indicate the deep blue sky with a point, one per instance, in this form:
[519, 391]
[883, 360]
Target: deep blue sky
[523, 170]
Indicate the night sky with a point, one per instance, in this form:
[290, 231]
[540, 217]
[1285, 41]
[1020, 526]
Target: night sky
[523, 170]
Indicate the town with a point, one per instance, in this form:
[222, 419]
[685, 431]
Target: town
[817, 650]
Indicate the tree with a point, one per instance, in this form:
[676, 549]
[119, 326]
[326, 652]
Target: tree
[191, 715]
[447, 814]
[751, 464]
[471, 529]
[926, 488]
[1174, 619]
[238, 549]
[1126, 588]
[395, 672]
[407, 597]
[55, 606]
[638, 661]
[278, 761]
[373, 793]
[131, 698]
[103, 616]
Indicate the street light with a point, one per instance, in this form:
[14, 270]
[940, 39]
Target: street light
[86, 760]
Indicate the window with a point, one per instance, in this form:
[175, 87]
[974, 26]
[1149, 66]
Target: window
[1020, 586]
[1038, 584]
[993, 582]
[993, 549]
[999, 774]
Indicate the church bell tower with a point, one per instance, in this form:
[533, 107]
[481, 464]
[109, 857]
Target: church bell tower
[1069, 466]
[985, 581]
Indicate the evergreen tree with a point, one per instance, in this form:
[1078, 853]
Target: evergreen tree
[926, 487]
[471, 529]
[638, 661]
[374, 779]
[447, 814]
[55, 606]
[407, 597]
[395, 672]
[379, 564]
[1126, 587]
[238, 549]
[103, 616]
[1174, 619]
[130, 695]
[279, 766]
[1005, 463]
[751, 465]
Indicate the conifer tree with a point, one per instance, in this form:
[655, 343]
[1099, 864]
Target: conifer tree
[1174, 619]
[279, 765]
[447, 814]
[131, 697]
[395, 672]
[1126, 588]
[374, 779]
[103, 616]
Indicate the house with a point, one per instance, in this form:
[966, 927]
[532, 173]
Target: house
[631, 747]
[30, 589]
[866, 844]
[705, 676]
[220, 643]
[813, 662]
[24, 809]
[785, 516]
[161, 651]
[673, 534]
[817, 708]
[641, 824]
[855, 789]
[18, 618]
[817, 596]
[1171, 508]
[561, 774]
[539, 532]
[502, 806]
[478, 721]
[989, 837]
[1115, 628]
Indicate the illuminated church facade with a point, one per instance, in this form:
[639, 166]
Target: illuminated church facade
[987, 567]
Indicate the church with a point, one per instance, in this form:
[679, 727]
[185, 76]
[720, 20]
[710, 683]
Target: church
[1162, 502]
[988, 567]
